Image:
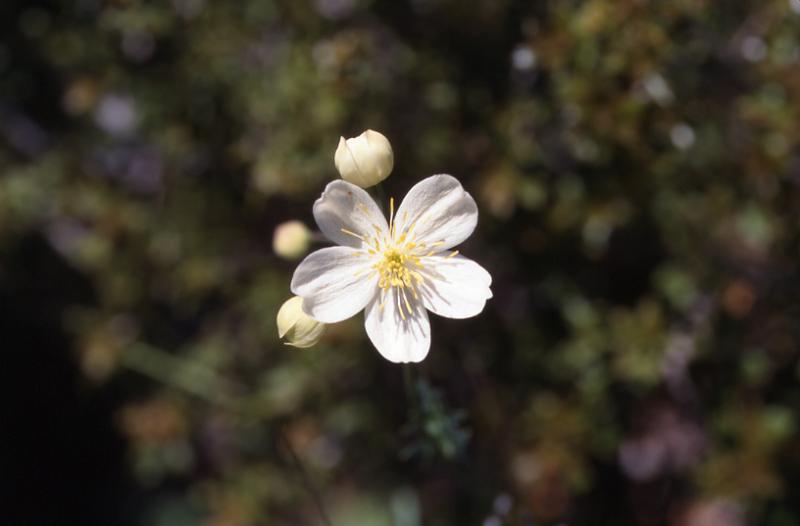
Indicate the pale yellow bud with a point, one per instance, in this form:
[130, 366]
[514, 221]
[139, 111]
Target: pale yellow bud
[365, 160]
[291, 240]
[297, 328]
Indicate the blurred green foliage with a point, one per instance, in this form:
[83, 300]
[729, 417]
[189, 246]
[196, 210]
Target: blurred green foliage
[637, 168]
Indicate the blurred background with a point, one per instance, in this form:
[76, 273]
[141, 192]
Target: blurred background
[637, 168]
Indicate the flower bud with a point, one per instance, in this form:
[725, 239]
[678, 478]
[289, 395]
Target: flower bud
[291, 239]
[297, 328]
[365, 160]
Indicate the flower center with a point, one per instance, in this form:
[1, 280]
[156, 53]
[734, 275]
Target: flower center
[399, 260]
[393, 270]
[397, 271]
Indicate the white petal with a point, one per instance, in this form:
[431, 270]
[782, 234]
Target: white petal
[398, 340]
[454, 287]
[440, 210]
[335, 283]
[346, 206]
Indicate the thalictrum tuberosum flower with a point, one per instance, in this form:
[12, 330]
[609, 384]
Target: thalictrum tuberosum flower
[396, 271]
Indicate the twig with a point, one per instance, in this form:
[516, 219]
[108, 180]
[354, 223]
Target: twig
[412, 392]
[307, 482]
[202, 381]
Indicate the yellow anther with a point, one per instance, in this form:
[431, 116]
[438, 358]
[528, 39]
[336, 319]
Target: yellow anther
[398, 263]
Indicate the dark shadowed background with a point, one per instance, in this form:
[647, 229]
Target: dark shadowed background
[637, 169]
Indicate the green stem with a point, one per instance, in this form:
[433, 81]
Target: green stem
[307, 482]
[203, 382]
[408, 380]
[380, 196]
[191, 377]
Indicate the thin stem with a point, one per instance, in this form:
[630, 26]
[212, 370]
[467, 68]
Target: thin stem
[307, 482]
[408, 380]
[380, 195]
[203, 382]
[191, 377]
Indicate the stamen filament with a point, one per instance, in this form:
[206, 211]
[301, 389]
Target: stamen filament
[405, 298]
[400, 308]
[349, 233]
[400, 261]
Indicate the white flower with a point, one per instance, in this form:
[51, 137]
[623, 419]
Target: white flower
[365, 160]
[396, 271]
[297, 327]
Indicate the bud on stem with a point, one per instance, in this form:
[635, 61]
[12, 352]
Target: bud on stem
[365, 160]
[297, 328]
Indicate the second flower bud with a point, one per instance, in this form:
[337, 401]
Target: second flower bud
[297, 328]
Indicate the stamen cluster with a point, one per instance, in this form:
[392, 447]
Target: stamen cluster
[399, 262]
[393, 271]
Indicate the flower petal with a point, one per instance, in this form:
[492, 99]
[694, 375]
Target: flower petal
[397, 339]
[335, 283]
[346, 206]
[454, 287]
[440, 210]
